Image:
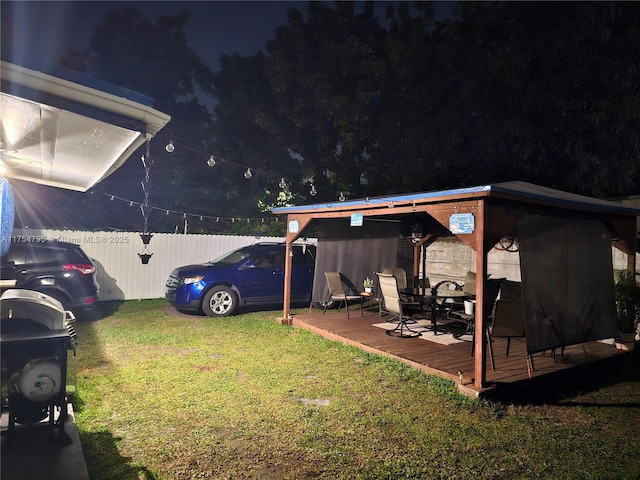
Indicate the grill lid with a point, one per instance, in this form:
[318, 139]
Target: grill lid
[20, 304]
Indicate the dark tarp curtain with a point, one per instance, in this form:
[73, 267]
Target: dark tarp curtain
[567, 281]
[356, 252]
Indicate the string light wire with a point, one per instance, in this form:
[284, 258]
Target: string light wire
[248, 171]
[211, 162]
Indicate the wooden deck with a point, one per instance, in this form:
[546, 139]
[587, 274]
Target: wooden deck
[448, 360]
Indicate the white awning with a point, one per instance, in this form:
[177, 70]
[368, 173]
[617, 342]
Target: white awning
[74, 144]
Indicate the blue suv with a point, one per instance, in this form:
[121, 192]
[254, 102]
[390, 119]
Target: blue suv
[251, 275]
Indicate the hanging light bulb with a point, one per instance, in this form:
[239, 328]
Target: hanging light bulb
[184, 215]
[313, 192]
[248, 173]
[283, 183]
[212, 161]
[200, 217]
[131, 203]
[342, 198]
[167, 212]
[170, 148]
[112, 197]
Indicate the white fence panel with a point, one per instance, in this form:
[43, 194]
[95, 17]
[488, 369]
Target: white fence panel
[120, 272]
[122, 276]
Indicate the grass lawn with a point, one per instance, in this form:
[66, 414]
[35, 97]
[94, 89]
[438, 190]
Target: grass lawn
[161, 395]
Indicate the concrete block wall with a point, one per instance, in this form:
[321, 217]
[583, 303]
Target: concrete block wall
[450, 259]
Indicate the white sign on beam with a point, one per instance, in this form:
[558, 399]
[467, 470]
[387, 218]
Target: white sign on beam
[462, 223]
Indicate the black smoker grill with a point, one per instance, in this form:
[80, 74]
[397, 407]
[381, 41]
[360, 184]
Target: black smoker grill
[35, 335]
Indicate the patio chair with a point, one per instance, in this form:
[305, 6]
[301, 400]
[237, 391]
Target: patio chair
[508, 321]
[399, 273]
[492, 287]
[510, 290]
[468, 287]
[393, 304]
[409, 303]
[447, 304]
[342, 290]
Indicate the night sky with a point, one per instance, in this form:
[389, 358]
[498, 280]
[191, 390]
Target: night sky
[40, 32]
[46, 30]
[36, 32]
[50, 29]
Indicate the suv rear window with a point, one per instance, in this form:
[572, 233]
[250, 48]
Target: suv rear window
[43, 255]
[28, 253]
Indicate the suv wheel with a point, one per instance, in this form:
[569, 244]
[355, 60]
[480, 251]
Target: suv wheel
[220, 301]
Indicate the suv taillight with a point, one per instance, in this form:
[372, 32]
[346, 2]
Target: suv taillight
[83, 268]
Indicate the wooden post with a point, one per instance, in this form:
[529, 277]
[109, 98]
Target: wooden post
[295, 226]
[480, 347]
[288, 262]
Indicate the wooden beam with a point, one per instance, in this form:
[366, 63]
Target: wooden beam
[417, 247]
[623, 231]
[480, 347]
[500, 221]
[442, 213]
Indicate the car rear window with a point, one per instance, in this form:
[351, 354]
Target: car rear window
[37, 254]
[77, 255]
[29, 253]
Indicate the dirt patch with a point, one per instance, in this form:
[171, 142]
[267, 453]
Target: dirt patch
[172, 312]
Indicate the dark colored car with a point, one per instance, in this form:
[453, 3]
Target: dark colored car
[251, 275]
[59, 269]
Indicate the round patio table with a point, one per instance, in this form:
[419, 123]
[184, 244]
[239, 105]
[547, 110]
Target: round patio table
[428, 298]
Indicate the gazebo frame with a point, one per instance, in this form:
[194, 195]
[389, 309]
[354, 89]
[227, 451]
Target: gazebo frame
[494, 210]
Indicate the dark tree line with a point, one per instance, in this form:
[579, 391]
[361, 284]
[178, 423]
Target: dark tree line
[545, 92]
[542, 92]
